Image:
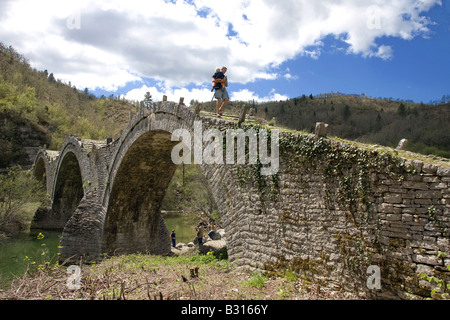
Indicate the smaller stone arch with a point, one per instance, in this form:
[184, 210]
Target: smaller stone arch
[64, 177]
[68, 191]
[40, 172]
[43, 173]
[41, 166]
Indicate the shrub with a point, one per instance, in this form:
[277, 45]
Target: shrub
[18, 188]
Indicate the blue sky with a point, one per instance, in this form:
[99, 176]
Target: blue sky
[274, 50]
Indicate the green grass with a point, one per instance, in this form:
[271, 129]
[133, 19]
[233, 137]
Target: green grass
[139, 261]
[258, 280]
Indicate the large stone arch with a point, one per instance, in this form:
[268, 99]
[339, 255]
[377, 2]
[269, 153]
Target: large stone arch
[140, 173]
[123, 214]
[133, 221]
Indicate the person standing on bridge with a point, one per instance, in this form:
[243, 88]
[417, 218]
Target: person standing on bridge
[221, 94]
[173, 236]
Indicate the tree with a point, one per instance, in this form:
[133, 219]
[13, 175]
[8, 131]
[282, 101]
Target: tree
[346, 113]
[148, 101]
[51, 78]
[17, 189]
[401, 110]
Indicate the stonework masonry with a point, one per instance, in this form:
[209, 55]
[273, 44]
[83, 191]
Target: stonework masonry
[332, 210]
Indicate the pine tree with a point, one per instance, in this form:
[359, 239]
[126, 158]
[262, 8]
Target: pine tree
[148, 101]
[401, 110]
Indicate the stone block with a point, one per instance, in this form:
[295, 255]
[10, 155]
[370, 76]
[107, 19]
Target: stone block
[431, 194]
[321, 130]
[393, 217]
[407, 217]
[429, 168]
[402, 144]
[443, 171]
[427, 259]
[415, 185]
[430, 178]
[393, 198]
[414, 164]
[439, 186]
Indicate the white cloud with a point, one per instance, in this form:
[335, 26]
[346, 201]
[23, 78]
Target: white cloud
[202, 94]
[289, 76]
[247, 95]
[115, 42]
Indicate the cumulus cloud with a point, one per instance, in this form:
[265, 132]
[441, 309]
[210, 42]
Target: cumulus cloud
[199, 94]
[109, 43]
[247, 95]
[173, 94]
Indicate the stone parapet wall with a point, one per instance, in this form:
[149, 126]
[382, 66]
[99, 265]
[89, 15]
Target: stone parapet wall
[339, 210]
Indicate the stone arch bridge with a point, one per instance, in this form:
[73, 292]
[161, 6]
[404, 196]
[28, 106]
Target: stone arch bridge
[330, 212]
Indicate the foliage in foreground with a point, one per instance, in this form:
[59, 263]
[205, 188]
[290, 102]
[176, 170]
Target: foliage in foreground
[189, 276]
[18, 188]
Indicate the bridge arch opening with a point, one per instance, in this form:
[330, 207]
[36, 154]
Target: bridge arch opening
[68, 191]
[133, 222]
[40, 172]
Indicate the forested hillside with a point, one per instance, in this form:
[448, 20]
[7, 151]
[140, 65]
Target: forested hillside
[37, 109]
[364, 119]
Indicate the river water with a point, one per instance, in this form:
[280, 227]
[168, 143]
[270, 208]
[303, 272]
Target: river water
[16, 254]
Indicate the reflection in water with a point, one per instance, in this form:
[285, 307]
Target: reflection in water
[183, 224]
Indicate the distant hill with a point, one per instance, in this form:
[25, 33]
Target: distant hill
[37, 109]
[363, 119]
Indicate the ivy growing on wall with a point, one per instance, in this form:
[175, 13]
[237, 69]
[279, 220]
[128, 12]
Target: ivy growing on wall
[347, 166]
[348, 174]
[250, 174]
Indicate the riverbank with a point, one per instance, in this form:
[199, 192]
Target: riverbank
[187, 276]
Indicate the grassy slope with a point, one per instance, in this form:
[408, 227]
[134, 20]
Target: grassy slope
[144, 277]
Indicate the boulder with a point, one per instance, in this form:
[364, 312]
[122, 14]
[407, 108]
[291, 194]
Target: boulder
[221, 232]
[213, 245]
[180, 245]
